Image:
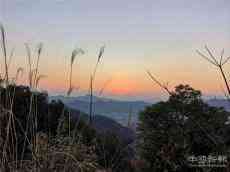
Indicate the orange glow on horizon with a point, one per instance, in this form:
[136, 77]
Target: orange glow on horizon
[134, 83]
[124, 85]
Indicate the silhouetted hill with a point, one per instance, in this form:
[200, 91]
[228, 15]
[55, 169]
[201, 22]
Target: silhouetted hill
[104, 124]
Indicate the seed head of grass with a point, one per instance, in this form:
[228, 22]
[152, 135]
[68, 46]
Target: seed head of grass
[3, 44]
[3, 39]
[102, 49]
[28, 51]
[76, 51]
[40, 46]
[19, 71]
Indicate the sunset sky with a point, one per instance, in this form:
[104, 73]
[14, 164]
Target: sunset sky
[159, 35]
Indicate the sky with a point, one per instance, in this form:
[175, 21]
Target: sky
[161, 36]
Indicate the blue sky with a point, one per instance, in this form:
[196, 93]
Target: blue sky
[120, 19]
[160, 35]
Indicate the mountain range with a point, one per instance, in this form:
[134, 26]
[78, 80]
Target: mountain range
[219, 103]
[123, 112]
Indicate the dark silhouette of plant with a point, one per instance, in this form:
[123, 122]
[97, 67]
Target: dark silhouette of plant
[219, 64]
[111, 152]
[55, 111]
[92, 78]
[75, 53]
[39, 135]
[20, 108]
[183, 125]
[5, 55]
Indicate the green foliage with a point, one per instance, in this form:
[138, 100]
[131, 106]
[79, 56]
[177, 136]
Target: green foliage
[184, 125]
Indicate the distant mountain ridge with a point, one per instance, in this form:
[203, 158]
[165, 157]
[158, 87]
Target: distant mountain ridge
[119, 110]
[219, 103]
[111, 108]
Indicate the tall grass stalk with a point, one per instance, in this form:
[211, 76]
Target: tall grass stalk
[3, 43]
[40, 46]
[10, 142]
[28, 51]
[130, 117]
[75, 52]
[92, 78]
[34, 78]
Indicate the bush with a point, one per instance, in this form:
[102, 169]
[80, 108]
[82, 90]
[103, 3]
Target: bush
[184, 125]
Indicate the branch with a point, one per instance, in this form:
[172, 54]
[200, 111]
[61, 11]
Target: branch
[164, 87]
[206, 58]
[221, 56]
[211, 55]
[226, 60]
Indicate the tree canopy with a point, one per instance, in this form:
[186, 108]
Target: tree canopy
[183, 125]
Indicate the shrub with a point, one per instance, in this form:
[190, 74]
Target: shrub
[184, 125]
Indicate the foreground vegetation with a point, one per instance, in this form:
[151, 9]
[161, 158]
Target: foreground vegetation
[184, 125]
[52, 141]
[39, 135]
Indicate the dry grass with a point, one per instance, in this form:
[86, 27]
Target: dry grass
[59, 153]
[92, 78]
[47, 153]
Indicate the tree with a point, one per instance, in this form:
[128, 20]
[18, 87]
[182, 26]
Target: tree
[181, 126]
